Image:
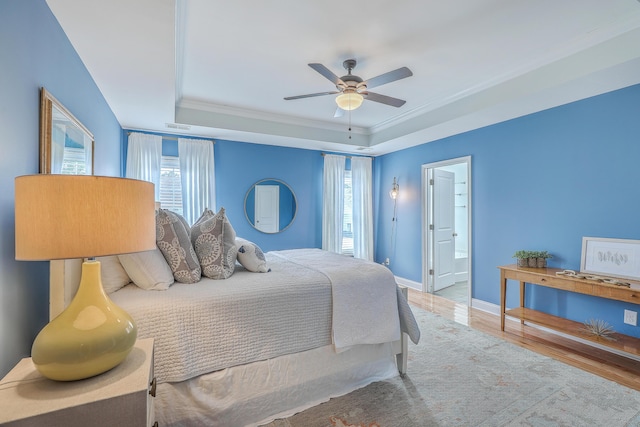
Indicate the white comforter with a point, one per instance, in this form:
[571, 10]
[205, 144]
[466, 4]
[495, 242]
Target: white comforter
[365, 309]
[214, 324]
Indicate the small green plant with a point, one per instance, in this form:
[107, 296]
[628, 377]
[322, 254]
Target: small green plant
[532, 254]
[532, 258]
[544, 254]
[522, 254]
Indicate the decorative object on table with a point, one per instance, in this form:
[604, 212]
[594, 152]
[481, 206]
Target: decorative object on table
[533, 259]
[600, 329]
[602, 279]
[76, 216]
[611, 257]
[541, 258]
[522, 257]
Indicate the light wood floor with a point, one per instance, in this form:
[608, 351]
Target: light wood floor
[617, 368]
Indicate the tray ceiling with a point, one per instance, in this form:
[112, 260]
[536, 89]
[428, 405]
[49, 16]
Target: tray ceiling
[221, 69]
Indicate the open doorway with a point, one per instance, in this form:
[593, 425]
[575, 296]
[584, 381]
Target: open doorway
[446, 225]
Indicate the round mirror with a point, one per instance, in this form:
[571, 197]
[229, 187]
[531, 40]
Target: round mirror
[270, 206]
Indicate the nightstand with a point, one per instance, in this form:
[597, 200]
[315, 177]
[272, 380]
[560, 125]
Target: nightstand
[122, 396]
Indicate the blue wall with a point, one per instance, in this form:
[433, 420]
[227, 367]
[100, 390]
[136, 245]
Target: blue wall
[35, 52]
[240, 165]
[539, 182]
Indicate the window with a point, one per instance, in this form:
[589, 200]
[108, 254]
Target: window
[170, 185]
[74, 161]
[347, 222]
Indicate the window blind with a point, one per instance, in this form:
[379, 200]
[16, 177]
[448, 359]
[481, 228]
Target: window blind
[170, 185]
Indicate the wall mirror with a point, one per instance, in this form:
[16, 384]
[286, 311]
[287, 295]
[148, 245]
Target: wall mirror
[66, 146]
[270, 206]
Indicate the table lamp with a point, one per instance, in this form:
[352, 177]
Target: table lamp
[76, 216]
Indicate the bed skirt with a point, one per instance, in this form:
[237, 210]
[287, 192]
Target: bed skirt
[259, 392]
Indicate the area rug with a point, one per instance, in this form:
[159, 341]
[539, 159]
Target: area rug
[458, 376]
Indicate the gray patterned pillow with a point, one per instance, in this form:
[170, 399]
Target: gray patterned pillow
[214, 240]
[172, 237]
[206, 214]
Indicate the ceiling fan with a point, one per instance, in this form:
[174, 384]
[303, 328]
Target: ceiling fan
[353, 90]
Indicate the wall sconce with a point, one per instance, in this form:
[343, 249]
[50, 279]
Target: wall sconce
[394, 189]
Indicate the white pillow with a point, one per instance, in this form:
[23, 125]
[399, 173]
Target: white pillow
[149, 270]
[251, 256]
[112, 273]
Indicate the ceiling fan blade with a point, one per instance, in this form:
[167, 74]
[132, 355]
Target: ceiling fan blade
[327, 73]
[384, 99]
[339, 112]
[289, 98]
[389, 77]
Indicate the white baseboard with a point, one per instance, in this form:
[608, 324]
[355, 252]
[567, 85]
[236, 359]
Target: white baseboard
[475, 303]
[409, 283]
[485, 306]
[461, 277]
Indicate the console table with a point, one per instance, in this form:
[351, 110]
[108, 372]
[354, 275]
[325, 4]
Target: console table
[547, 277]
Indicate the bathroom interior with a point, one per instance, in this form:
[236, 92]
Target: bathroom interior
[459, 292]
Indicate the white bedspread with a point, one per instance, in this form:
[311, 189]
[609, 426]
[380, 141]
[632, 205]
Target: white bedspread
[215, 324]
[365, 309]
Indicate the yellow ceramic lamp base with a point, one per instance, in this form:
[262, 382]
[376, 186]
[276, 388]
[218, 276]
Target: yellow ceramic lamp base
[91, 336]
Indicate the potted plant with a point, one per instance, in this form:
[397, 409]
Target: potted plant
[522, 257]
[541, 258]
[533, 259]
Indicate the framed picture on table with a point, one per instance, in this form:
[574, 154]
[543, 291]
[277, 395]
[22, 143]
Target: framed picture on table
[611, 257]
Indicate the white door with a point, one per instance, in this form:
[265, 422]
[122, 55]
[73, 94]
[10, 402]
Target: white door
[443, 229]
[267, 212]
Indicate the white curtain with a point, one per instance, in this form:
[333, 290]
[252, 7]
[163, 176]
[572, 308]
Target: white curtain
[361, 182]
[144, 156]
[197, 175]
[333, 202]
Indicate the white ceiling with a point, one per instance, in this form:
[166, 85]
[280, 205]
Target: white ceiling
[224, 67]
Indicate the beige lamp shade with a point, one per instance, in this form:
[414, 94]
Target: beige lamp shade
[80, 216]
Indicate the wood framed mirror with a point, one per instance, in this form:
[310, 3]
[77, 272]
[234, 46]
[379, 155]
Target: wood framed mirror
[66, 145]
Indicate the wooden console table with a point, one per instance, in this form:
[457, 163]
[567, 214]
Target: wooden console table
[547, 277]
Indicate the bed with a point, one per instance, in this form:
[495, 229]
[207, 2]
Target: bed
[259, 346]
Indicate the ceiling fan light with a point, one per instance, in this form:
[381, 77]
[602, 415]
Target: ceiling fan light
[349, 101]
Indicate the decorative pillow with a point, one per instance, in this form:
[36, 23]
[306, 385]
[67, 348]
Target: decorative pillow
[148, 270]
[172, 237]
[112, 273]
[251, 256]
[206, 214]
[214, 240]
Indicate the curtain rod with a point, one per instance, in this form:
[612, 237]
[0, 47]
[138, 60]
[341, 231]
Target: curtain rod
[175, 138]
[348, 157]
